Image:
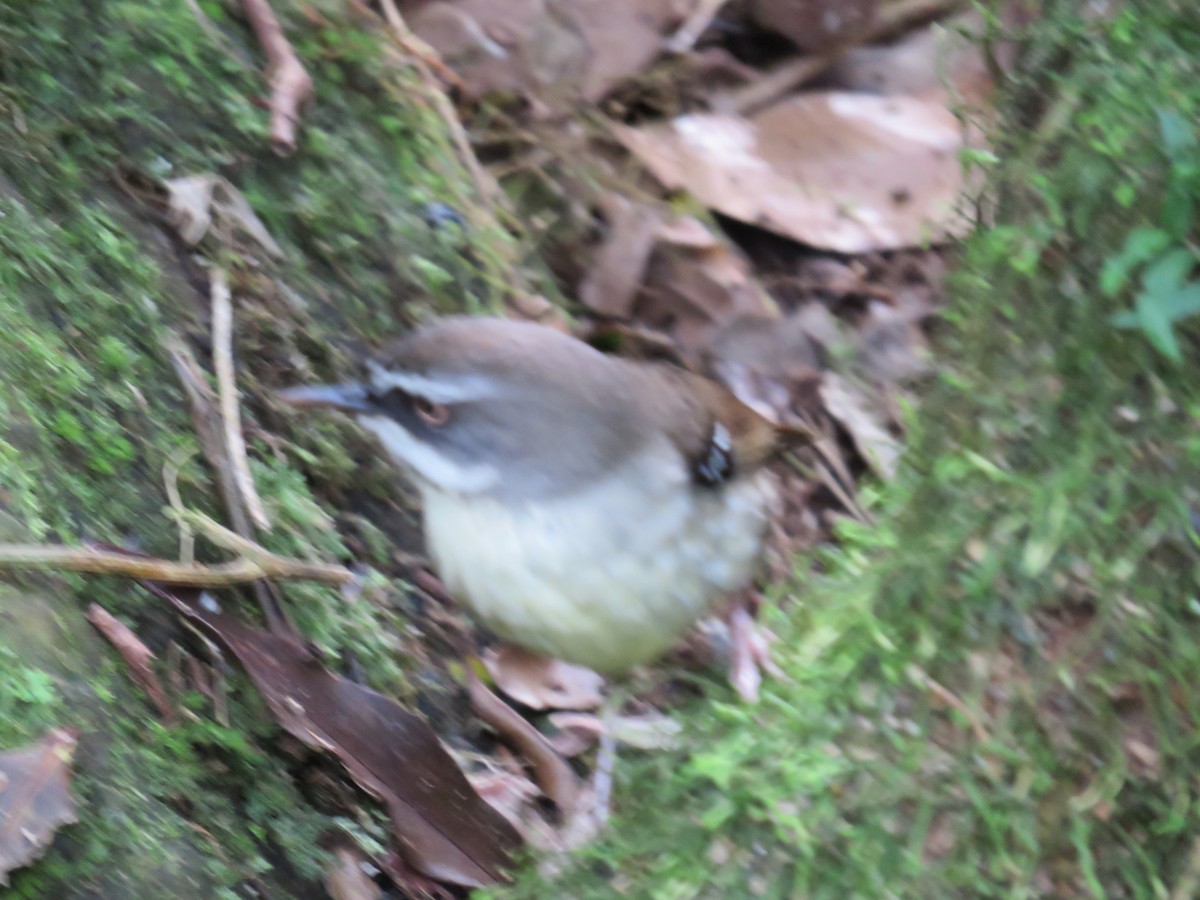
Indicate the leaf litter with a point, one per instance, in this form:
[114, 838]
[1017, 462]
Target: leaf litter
[35, 798]
[443, 829]
[797, 293]
[792, 252]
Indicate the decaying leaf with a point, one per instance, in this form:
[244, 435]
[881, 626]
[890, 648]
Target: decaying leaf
[612, 281]
[815, 25]
[892, 346]
[770, 364]
[557, 51]
[509, 793]
[878, 448]
[696, 284]
[930, 62]
[194, 202]
[556, 779]
[346, 877]
[837, 170]
[442, 827]
[540, 682]
[671, 274]
[35, 799]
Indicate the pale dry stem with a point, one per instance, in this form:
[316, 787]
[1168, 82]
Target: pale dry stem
[291, 86]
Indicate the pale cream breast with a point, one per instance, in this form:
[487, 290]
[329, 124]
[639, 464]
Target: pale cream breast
[609, 577]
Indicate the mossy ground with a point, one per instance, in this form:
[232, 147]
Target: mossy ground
[98, 99]
[991, 692]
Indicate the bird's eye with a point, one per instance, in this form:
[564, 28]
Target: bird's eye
[431, 413]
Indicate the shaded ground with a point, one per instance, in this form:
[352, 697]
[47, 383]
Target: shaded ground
[990, 692]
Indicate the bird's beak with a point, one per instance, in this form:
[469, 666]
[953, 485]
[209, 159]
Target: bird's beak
[349, 397]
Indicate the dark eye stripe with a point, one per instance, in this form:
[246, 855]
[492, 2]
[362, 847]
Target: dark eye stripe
[401, 406]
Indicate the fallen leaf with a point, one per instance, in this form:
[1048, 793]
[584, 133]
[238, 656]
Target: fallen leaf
[891, 346]
[612, 281]
[346, 876]
[696, 284]
[769, 364]
[509, 793]
[442, 827]
[815, 25]
[138, 657]
[540, 682]
[558, 51]
[880, 450]
[35, 799]
[931, 62]
[194, 202]
[554, 776]
[573, 733]
[843, 171]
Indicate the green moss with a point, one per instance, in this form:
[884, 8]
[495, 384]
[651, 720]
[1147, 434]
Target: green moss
[92, 284]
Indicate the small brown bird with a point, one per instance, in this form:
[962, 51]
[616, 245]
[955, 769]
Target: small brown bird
[583, 506]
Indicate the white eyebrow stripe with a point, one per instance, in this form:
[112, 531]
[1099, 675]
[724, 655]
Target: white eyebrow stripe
[444, 390]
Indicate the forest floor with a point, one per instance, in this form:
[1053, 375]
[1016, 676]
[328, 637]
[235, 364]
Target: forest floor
[990, 690]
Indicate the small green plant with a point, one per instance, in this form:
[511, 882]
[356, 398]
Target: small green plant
[1168, 294]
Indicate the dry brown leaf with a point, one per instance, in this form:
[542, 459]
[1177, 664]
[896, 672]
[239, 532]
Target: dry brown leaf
[554, 776]
[346, 877]
[880, 450]
[543, 683]
[443, 829]
[767, 363]
[837, 170]
[194, 202]
[696, 284]
[509, 793]
[815, 26]
[929, 62]
[612, 281]
[891, 345]
[558, 51]
[574, 732]
[35, 799]
[138, 657]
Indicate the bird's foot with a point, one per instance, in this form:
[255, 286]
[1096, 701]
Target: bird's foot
[750, 654]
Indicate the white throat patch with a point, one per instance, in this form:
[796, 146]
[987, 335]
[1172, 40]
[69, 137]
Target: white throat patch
[426, 461]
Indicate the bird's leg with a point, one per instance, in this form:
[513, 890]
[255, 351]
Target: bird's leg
[750, 650]
[606, 754]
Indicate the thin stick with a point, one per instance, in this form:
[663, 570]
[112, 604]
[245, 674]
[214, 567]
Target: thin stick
[227, 396]
[689, 32]
[225, 538]
[947, 696]
[291, 86]
[108, 562]
[484, 183]
[206, 419]
[138, 657]
[551, 772]
[892, 18]
[187, 537]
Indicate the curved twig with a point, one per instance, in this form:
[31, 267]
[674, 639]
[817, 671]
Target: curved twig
[61, 557]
